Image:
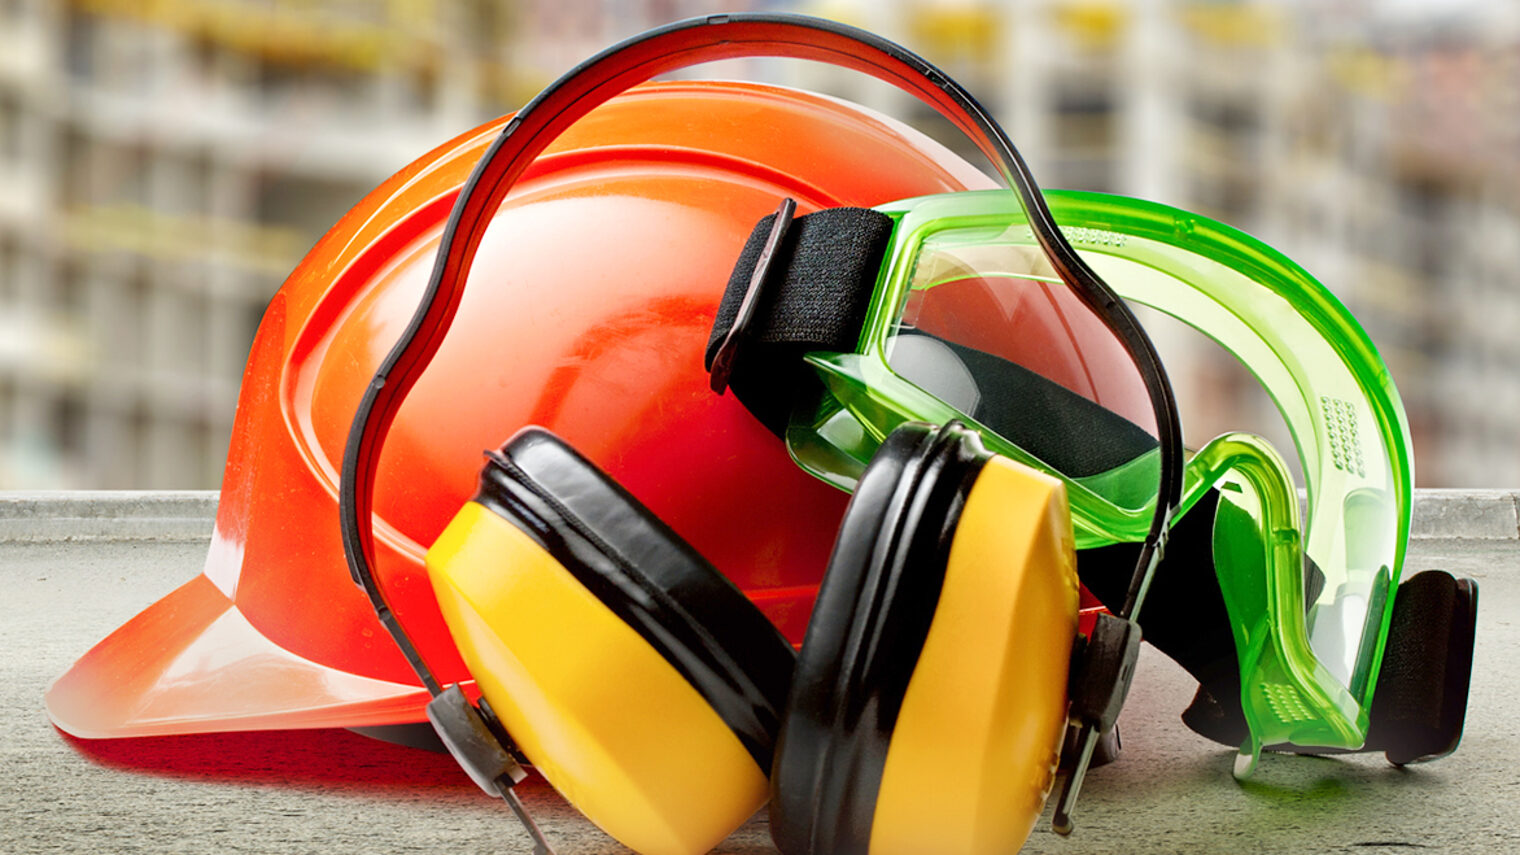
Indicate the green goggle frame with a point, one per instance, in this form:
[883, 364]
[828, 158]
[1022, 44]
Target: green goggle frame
[1309, 644]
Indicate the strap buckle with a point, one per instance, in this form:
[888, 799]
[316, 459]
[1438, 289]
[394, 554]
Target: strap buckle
[723, 359]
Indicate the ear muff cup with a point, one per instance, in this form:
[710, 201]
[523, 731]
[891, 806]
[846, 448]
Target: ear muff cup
[868, 625]
[942, 632]
[634, 676]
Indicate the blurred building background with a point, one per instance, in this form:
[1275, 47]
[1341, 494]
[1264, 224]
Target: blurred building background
[163, 164]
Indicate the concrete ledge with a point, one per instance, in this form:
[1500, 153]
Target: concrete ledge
[1485, 514]
[125, 515]
[187, 515]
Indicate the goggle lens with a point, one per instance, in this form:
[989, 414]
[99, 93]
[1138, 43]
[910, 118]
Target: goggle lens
[987, 326]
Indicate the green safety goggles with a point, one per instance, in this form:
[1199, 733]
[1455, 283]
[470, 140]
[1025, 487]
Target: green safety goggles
[840, 325]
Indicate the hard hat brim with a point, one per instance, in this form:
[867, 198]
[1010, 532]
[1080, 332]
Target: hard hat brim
[192, 663]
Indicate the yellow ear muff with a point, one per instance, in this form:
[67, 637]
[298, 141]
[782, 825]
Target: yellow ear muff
[597, 710]
[939, 645]
[985, 709]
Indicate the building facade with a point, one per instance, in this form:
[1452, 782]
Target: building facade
[164, 164]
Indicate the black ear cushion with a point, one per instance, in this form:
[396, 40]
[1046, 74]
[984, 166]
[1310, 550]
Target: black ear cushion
[647, 575]
[867, 631]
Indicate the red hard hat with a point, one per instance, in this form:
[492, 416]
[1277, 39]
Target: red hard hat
[588, 309]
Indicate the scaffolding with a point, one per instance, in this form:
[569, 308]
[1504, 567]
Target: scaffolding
[166, 162]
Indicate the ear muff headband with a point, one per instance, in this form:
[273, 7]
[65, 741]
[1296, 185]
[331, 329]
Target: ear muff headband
[613, 71]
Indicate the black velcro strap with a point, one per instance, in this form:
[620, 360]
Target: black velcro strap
[1184, 615]
[815, 298]
[1076, 436]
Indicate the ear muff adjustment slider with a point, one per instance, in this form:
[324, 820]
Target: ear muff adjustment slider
[481, 747]
[1103, 666]
[473, 741]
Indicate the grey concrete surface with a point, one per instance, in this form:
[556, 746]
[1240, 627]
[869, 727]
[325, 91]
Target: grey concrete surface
[112, 516]
[75, 567]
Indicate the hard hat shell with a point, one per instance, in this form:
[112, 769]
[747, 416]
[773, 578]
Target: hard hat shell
[587, 312]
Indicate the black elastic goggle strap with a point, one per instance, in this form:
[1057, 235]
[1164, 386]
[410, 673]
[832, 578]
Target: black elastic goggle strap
[1420, 703]
[1185, 615]
[813, 295]
[1072, 434]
